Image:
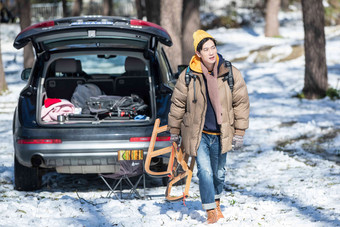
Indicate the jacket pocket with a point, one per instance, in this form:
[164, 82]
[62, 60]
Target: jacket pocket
[231, 117]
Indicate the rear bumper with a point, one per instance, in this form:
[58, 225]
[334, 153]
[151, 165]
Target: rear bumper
[79, 156]
[82, 150]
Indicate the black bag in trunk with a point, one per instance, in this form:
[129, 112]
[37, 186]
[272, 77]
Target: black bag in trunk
[120, 106]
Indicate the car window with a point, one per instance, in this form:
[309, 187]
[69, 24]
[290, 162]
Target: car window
[164, 67]
[107, 64]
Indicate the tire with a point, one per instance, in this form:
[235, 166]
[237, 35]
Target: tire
[25, 178]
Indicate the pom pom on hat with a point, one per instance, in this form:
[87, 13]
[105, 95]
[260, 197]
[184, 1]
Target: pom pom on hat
[198, 36]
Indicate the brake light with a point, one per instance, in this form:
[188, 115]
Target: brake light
[162, 138]
[44, 24]
[39, 141]
[137, 22]
[147, 139]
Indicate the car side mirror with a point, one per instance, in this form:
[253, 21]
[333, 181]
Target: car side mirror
[180, 69]
[25, 74]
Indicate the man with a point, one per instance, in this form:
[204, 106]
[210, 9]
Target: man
[209, 117]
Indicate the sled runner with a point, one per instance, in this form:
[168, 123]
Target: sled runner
[180, 164]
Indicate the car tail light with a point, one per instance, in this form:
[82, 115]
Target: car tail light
[39, 141]
[44, 24]
[162, 138]
[147, 139]
[137, 22]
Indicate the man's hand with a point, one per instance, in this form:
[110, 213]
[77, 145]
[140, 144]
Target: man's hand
[237, 142]
[175, 138]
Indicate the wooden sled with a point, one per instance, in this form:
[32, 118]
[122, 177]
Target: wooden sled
[178, 166]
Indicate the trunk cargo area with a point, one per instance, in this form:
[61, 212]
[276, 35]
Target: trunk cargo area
[71, 96]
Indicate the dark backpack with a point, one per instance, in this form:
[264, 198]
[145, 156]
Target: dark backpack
[226, 77]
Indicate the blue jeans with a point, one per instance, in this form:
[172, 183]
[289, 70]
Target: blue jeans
[210, 170]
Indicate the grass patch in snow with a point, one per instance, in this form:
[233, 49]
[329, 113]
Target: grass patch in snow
[268, 53]
[332, 93]
[282, 144]
[321, 144]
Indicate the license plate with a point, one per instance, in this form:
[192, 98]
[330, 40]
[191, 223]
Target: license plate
[130, 155]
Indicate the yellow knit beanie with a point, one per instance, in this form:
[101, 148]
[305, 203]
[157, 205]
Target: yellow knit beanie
[198, 36]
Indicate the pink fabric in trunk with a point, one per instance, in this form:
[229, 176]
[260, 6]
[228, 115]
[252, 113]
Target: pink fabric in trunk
[50, 113]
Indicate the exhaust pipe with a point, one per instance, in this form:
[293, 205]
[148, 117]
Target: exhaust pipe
[36, 160]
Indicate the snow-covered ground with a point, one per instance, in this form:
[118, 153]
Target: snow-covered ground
[288, 174]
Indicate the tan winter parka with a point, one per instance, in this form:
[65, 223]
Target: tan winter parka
[187, 117]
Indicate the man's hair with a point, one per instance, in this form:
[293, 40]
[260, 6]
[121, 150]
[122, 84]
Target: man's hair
[202, 42]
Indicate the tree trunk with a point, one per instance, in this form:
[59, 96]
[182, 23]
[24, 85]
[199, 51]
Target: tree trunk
[315, 55]
[3, 84]
[91, 8]
[24, 9]
[272, 21]
[28, 56]
[190, 23]
[107, 8]
[14, 10]
[285, 5]
[77, 7]
[140, 8]
[153, 9]
[171, 20]
[65, 9]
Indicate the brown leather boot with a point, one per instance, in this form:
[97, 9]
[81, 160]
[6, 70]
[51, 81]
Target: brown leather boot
[218, 209]
[212, 216]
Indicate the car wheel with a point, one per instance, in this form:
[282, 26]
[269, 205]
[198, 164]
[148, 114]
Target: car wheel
[25, 178]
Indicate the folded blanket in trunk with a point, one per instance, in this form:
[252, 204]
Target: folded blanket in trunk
[50, 113]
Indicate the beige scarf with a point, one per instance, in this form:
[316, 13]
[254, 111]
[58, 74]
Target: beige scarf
[213, 91]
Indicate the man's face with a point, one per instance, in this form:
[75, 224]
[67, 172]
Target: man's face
[208, 53]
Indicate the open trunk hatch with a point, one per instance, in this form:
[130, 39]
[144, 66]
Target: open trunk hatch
[92, 31]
